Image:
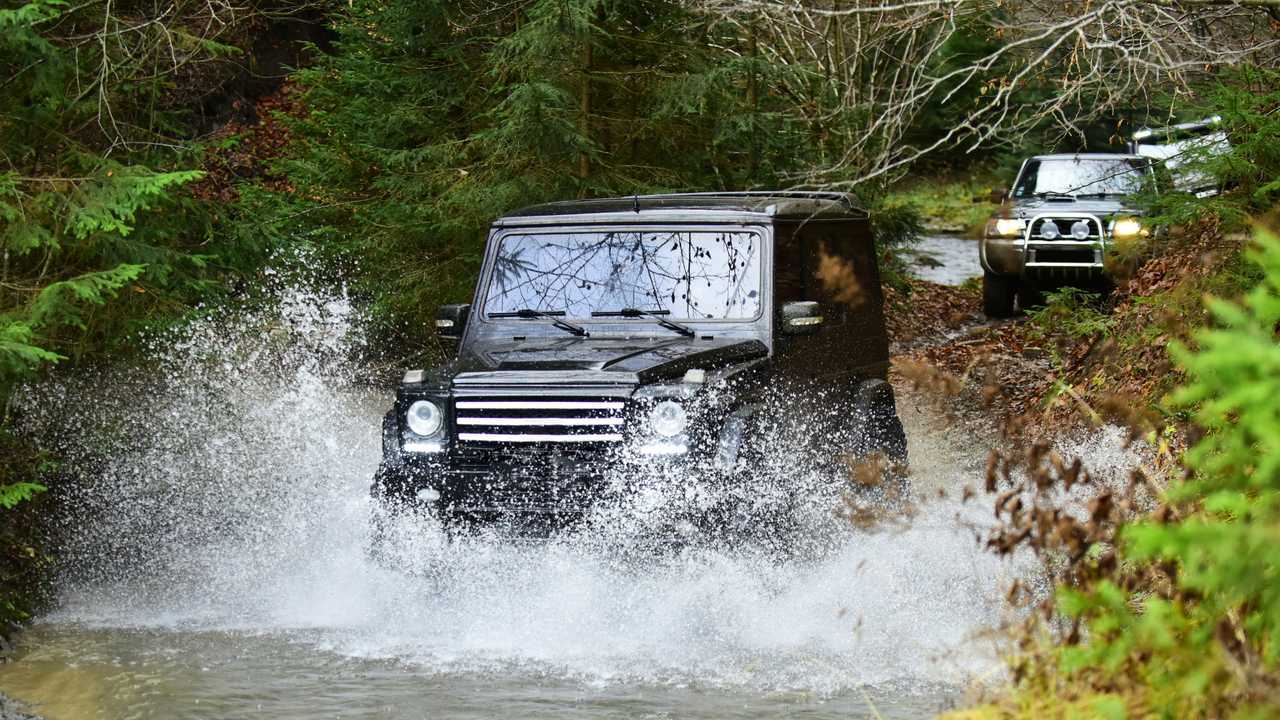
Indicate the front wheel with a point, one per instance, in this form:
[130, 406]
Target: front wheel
[1030, 295]
[998, 295]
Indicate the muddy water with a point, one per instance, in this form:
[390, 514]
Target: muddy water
[217, 569]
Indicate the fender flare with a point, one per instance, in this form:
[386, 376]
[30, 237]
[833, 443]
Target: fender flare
[733, 434]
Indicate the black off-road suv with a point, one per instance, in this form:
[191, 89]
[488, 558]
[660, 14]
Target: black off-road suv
[662, 332]
[1055, 227]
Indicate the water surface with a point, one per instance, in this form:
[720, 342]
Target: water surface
[945, 259]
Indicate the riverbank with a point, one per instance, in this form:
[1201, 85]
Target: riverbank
[949, 205]
[1080, 360]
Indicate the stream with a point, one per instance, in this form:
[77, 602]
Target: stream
[945, 259]
[217, 568]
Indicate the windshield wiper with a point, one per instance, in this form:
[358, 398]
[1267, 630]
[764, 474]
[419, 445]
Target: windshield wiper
[1054, 194]
[553, 315]
[656, 315]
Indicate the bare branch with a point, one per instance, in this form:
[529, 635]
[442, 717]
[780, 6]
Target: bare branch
[885, 63]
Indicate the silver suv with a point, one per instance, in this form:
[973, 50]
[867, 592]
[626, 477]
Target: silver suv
[1056, 223]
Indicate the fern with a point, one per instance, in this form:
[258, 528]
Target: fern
[18, 353]
[111, 203]
[13, 494]
[31, 13]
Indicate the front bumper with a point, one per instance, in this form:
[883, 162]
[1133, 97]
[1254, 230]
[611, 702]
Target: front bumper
[1035, 256]
[529, 479]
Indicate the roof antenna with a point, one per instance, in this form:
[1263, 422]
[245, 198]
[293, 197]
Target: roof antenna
[635, 202]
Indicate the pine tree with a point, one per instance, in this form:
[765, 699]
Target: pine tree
[80, 179]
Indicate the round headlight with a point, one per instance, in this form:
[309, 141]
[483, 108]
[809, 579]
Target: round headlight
[1080, 230]
[668, 418]
[1049, 230]
[424, 418]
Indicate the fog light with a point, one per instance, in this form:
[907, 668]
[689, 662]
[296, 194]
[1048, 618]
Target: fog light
[1080, 230]
[668, 418]
[428, 495]
[1049, 230]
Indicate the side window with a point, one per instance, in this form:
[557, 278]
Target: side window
[1025, 186]
[790, 265]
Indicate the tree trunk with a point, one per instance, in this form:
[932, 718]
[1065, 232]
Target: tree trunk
[584, 109]
[753, 102]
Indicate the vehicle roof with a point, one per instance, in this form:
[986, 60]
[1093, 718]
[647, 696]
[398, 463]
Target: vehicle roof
[789, 204]
[1213, 123]
[1090, 156]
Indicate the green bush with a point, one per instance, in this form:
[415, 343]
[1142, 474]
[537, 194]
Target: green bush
[1187, 621]
[1071, 313]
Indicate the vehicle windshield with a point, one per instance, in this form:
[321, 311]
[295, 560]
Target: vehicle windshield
[1080, 176]
[693, 274]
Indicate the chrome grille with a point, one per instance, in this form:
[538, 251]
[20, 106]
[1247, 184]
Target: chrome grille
[1063, 224]
[519, 420]
[1063, 254]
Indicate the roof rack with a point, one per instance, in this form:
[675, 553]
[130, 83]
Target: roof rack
[1209, 123]
[834, 195]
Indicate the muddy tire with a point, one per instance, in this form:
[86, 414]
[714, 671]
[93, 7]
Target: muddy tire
[1029, 296]
[998, 295]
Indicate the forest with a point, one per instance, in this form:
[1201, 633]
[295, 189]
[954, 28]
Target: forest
[159, 159]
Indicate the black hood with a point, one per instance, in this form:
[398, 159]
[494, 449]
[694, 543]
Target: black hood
[1102, 207]
[618, 360]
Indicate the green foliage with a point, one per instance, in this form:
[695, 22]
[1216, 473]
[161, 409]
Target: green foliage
[21, 564]
[948, 206]
[11, 495]
[18, 353]
[1208, 643]
[111, 204]
[895, 227]
[82, 220]
[1073, 312]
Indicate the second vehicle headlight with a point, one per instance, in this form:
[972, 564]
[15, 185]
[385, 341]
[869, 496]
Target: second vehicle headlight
[1128, 228]
[424, 418]
[1006, 227]
[668, 418]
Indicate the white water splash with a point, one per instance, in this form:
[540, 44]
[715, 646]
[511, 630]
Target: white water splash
[225, 488]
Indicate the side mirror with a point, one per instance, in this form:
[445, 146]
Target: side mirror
[451, 320]
[997, 197]
[802, 317]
